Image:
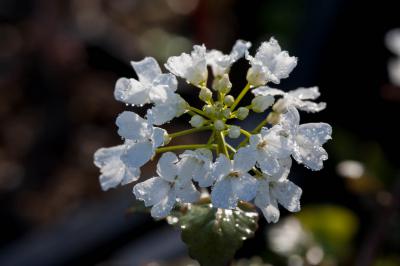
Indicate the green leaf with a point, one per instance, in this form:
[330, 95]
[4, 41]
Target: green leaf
[213, 236]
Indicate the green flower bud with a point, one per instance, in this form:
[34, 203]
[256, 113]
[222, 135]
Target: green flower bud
[229, 100]
[197, 121]
[209, 110]
[260, 103]
[234, 132]
[205, 94]
[222, 84]
[219, 125]
[226, 113]
[242, 113]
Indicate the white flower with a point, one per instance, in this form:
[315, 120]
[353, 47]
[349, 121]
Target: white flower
[274, 190]
[270, 64]
[113, 170]
[174, 106]
[132, 126]
[298, 98]
[270, 146]
[308, 139]
[197, 166]
[233, 183]
[145, 138]
[191, 67]
[221, 63]
[161, 192]
[393, 44]
[152, 86]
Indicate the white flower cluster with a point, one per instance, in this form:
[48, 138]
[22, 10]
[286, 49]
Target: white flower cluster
[393, 44]
[255, 171]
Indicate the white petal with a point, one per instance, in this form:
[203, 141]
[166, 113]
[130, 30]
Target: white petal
[245, 159]
[187, 193]
[311, 93]
[245, 187]
[191, 67]
[265, 90]
[278, 62]
[113, 170]
[310, 107]
[161, 113]
[152, 191]
[132, 126]
[278, 143]
[166, 167]
[271, 212]
[288, 195]
[263, 193]
[223, 196]
[240, 49]
[311, 156]
[164, 207]
[138, 154]
[166, 80]
[284, 64]
[221, 167]
[268, 164]
[158, 136]
[147, 69]
[178, 64]
[315, 133]
[197, 165]
[131, 91]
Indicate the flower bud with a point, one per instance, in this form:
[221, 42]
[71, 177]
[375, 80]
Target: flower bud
[229, 100]
[280, 106]
[226, 113]
[181, 106]
[219, 125]
[260, 103]
[222, 84]
[197, 121]
[209, 110]
[255, 76]
[234, 132]
[205, 94]
[242, 113]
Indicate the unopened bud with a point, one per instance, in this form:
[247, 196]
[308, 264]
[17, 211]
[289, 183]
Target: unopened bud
[229, 100]
[219, 125]
[234, 132]
[226, 113]
[222, 84]
[205, 94]
[280, 106]
[260, 103]
[242, 113]
[197, 121]
[209, 110]
[255, 76]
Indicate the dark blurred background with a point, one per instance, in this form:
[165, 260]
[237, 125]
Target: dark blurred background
[59, 61]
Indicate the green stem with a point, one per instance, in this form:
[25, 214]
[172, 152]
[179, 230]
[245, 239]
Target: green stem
[211, 138]
[185, 147]
[231, 148]
[245, 132]
[189, 131]
[222, 144]
[262, 124]
[198, 111]
[241, 95]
